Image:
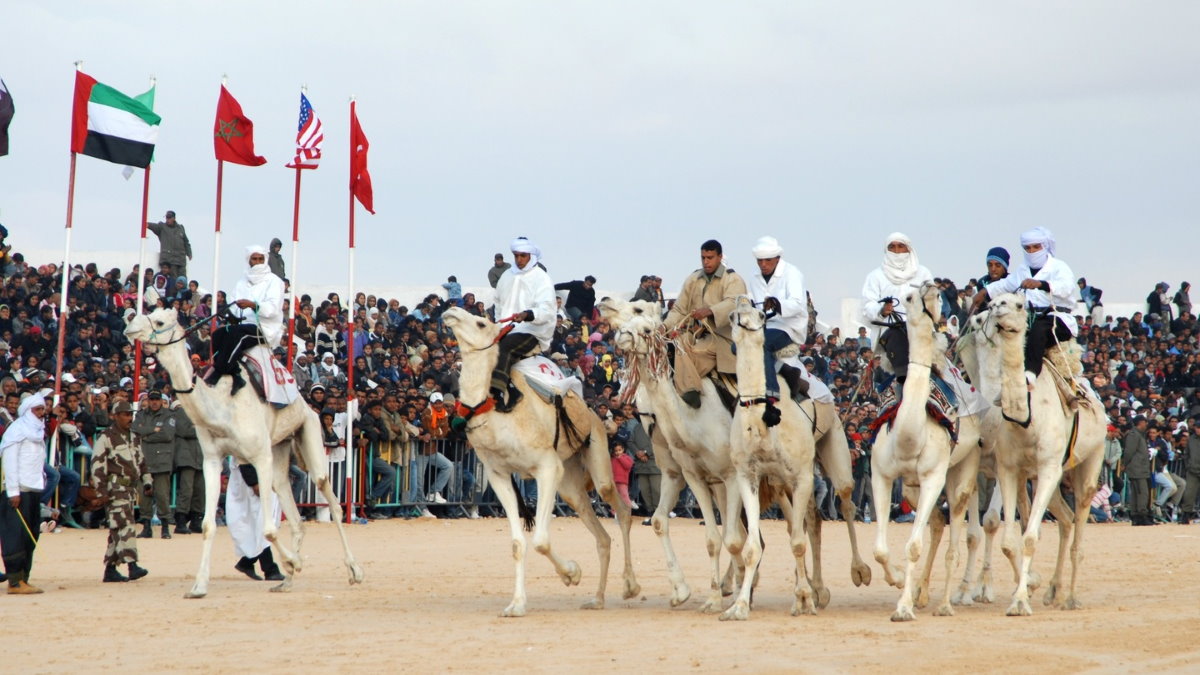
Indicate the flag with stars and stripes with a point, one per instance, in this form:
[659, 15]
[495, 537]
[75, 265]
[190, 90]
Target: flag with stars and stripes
[309, 138]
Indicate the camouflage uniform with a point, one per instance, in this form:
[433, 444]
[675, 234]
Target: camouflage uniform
[118, 468]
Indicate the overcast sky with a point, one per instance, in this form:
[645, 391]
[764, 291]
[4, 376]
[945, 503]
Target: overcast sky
[620, 135]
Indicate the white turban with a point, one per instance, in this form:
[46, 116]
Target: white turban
[900, 268]
[256, 273]
[27, 427]
[1038, 235]
[767, 247]
[524, 245]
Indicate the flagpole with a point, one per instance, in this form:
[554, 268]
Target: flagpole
[217, 242]
[295, 301]
[141, 307]
[350, 395]
[62, 301]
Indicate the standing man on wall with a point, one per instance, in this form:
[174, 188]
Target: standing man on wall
[173, 245]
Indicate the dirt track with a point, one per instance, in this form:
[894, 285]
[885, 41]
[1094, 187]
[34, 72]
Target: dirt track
[434, 590]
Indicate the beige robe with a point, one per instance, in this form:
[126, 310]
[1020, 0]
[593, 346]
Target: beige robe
[710, 349]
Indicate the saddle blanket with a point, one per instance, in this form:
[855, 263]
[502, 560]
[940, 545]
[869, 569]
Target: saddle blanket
[278, 386]
[544, 375]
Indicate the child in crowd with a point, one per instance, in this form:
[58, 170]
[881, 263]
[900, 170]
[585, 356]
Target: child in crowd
[454, 294]
[622, 464]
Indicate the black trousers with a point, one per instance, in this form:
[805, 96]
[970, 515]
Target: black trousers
[18, 539]
[1038, 337]
[894, 342]
[229, 342]
[512, 348]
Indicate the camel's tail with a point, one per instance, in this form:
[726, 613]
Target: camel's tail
[523, 507]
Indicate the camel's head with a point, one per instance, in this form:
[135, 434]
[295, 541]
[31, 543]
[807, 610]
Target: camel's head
[923, 306]
[747, 321]
[474, 333]
[156, 328]
[633, 321]
[1008, 313]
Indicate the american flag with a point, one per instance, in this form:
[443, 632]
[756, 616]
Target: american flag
[309, 138]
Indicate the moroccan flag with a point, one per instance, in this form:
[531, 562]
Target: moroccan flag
[6, 115]
[360, 179]
[233, 134]
[109, 125]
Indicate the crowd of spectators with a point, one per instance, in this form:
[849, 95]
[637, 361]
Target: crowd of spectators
[406, 366]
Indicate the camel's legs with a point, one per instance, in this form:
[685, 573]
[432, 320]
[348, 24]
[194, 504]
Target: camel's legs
[963, 595]
[212, 492]
[751, 548]
[985, 588]
[318, 472]
[881, 496]
[290, 560]
[960, 494]
[805, 602]
[932, 483]
[1049, 474]
[598, 465]
[669, 489]
[728, 499]
[508, 499]
[1064, 518]
[548, 475]
[937, 528]
[712, 536]
[834, 455]
[816, 581]
[573, 489]
[1082, 475]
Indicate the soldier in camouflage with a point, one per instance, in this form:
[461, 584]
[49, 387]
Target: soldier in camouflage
[117, 469]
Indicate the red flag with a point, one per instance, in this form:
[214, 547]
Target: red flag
[360, 179]
[233, 134]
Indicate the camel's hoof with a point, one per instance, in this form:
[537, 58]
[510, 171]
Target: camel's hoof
[290, 568]
[922, 599]
[985, 593]
[860, 574]
[822, 596]
[680, 595]
[962, 598]
[1019, 608]
[804, 606]
[728, 586]
[903, 614]
[1035, 581]
[1050, 595]
[356, 574]
[710, 605]
[514, 610]
[738, 611]
[1072, 603]
[896, 578]
[945, 610]
[572, 575]
[594, 603]
[632, 589]
[283, 587]
[195, 594]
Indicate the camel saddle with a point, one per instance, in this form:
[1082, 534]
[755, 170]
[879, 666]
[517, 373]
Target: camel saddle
[273, 383]
[941, 408]
[547, 379]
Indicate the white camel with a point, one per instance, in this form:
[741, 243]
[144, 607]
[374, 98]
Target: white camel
[780, 457]
[563, 450]
[254, 432]
[697, 451]
[1034, 442]
[697, 443]
[919, 449]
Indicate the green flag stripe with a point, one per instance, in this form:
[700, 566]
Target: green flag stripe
[105, 95]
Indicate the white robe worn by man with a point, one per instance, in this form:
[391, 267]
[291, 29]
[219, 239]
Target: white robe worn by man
[900, 272]
[243, 516]
[525, 295]
[259, 304]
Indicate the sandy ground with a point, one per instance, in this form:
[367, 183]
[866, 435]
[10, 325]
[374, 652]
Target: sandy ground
[434, 590]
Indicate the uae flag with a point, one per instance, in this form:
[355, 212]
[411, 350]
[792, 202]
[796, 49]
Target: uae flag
[109, 125]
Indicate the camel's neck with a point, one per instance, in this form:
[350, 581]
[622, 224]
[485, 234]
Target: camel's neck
[664, 402]
[174, 358]
[476, 377]
[1014, 393]
[910, 418]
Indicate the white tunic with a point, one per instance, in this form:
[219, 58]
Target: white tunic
[532, 290]
[267, 291]
[786, 286]
[877, 287]
[243, 513]
[1063, 294]
[24, 451]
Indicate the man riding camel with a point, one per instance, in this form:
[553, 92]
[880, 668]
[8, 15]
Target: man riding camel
[778, 287]
[706, 299]
[525, 294]
[259, 304]
[881, 294]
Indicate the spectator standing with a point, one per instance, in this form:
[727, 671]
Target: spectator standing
[189, 474]
[645, 290]
[274, 259]
[1091, 298]
[454, 294]
[118, 469]
[648, 476]
[622, 465]
[581, 298]
[1136, 459]
[155, 425]
[173, 245]
[24, 451]
[1183, 298]
[498, 268]
[1192, 489]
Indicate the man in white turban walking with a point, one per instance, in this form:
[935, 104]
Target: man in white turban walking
[259, 305]
[24, 452]
[881, 305]
[525, 296]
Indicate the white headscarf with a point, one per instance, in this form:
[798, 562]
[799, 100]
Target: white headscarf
[766, 248]
[27, 427]
[900, 268]
[1038, 235]
[524, 245]
[256, 273]
[330, 368]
